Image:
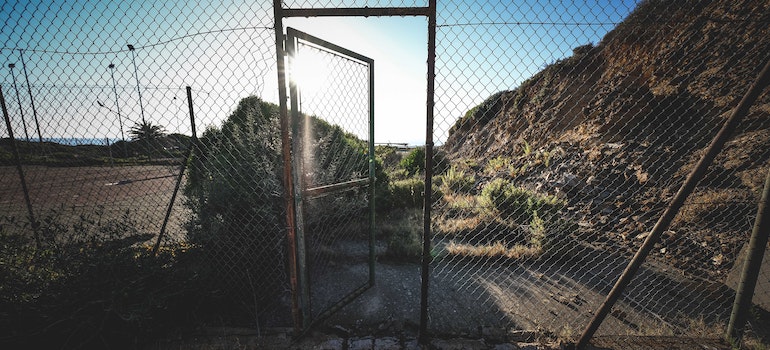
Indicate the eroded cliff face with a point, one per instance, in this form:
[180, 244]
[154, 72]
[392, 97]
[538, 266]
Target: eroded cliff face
[665, 60]
[624, 121]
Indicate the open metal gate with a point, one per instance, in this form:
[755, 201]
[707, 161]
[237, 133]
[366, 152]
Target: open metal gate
[331, 92]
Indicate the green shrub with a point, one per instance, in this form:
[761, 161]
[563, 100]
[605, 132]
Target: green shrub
[402, 230]
[234, 192]
[457, 181]
[537, 232]
[388, 155]
[500, 164]
[518, 203]
[414, 162]
[409, 193]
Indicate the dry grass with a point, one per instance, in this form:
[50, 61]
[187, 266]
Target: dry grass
[754, 343]
[461, 202]
[453, 226]
[704, 206]
[496, 249]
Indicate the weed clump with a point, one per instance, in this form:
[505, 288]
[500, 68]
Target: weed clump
[402, 231]
[518, 203]
[457, 181]
[407, 193]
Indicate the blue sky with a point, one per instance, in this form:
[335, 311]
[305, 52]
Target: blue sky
[223, 49]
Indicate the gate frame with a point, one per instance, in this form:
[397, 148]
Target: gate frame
[302, 192]
[301, 322]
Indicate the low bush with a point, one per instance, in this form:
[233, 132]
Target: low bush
[234, 192]
[457, 181]
[409, 193]
[414, 162]
[517, 203]
[499, 164]
[402, 231]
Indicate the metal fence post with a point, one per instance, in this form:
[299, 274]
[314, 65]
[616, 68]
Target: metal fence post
[426, 236]
[31, 98]
[751, 267]
[18, 100]
[298, 131]
[676, 203]
[20, 170]
[372, 179]
[190, 149]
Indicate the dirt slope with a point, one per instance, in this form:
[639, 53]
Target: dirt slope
[622, 123]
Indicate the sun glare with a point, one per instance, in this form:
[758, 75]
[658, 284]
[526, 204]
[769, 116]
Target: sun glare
[309, 72]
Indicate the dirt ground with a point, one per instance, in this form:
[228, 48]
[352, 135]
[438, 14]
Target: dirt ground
[143, 191]
[494, 298]
[470, 299]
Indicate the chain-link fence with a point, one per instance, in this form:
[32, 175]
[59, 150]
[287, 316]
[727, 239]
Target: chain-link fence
[103, 126]
[562, 131]
[581, 136]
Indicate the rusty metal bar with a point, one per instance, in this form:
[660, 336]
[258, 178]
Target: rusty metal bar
[676, 203]
[288, 181]
[20, 170]
[188, 154]
[372, 177]
[298, 173]
[327, 46]
[426, 235]
[31, 98]
[751, 267]
[315, 192]
[358, 12]
[18, 100]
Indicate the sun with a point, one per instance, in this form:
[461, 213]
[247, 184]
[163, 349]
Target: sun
[310, 72]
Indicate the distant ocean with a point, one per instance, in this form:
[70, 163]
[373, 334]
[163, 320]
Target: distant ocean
[76, 141]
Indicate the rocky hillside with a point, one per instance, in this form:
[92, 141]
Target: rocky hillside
[623, 121]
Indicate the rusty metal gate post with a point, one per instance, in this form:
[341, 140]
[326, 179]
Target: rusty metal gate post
[298, 189]
[288, 181]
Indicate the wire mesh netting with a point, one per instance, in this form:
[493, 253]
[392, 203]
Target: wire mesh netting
[96, 98]
[573, 152]
[562, 131]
